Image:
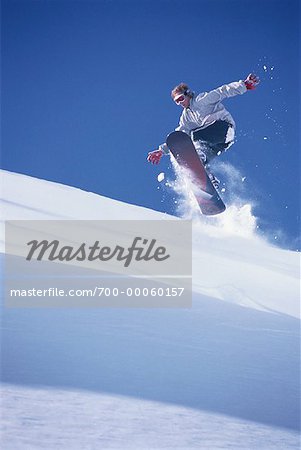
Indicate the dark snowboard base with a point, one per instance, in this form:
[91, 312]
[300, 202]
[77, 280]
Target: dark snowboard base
[183, 150]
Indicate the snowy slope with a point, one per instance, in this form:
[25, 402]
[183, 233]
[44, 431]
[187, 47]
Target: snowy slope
[223, 374]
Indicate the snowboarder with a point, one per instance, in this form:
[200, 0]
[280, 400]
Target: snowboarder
[204, 117]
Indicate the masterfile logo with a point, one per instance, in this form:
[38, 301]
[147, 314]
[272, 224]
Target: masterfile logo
[146, 251]
[98, 263]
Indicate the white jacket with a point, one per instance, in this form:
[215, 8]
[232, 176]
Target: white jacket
[206, 108]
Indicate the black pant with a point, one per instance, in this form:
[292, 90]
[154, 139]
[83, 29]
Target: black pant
[212, 138]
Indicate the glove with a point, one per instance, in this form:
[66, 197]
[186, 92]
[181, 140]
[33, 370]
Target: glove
[251, 81]
[155, 156]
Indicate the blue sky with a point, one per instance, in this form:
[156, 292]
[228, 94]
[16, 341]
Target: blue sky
[86, 94]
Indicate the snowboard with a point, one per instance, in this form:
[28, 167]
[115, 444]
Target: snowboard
[182, 148]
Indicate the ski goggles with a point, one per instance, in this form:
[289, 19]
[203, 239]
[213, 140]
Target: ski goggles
[179, 98]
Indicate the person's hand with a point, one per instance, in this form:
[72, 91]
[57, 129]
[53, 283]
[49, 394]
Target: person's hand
[251, 81]
[155, 156]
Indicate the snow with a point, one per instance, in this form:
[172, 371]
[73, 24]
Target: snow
[161, 177]
[123, 422]
[223, 374]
